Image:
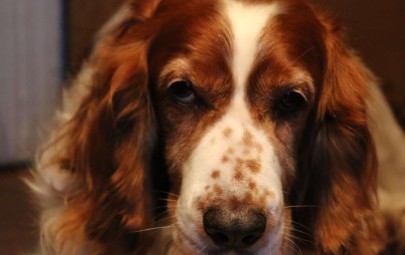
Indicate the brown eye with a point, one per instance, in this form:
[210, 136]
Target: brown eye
[182, 91]
[290, 104]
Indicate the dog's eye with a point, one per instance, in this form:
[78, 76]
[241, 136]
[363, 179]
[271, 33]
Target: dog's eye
[290, 104]
[182, 91]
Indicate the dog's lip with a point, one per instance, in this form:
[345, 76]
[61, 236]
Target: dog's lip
[226, 251]
[214, 249]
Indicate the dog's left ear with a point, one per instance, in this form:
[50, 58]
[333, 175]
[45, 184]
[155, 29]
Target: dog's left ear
[341, 159]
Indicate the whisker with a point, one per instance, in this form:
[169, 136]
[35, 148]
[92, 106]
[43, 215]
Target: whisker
[287, 193]
[300, 206]
[298, 231]
[152, 229]
[168, 200]
[294, 245]
[165, 215]
[301, 239]
[165, 206]
[166, 193]
[299, 57]
[201, 251]
[158, 218]
[165, 212]
[300, 225]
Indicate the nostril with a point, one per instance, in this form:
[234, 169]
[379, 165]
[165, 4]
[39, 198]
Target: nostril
[249, 240]
[216, 228]
[217, 236]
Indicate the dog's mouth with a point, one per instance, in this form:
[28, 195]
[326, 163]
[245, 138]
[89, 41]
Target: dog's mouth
[219, 231]
[188, 246]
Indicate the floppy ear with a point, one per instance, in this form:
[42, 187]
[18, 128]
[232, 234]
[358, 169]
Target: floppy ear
[338, 155]
[111, 137]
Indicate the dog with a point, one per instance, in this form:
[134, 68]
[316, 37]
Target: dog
[220, 127]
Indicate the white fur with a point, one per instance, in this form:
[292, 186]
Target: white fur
[247, 23]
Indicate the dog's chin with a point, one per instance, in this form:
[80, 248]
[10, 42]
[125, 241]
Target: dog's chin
[187, 249]
[186, 243]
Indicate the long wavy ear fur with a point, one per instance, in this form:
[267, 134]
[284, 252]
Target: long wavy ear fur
[338, 156]
[103, 147]
[112, 138]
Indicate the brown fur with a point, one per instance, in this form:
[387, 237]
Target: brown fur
[127, 137]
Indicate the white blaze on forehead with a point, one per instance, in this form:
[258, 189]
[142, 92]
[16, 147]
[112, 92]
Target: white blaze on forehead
[247, 22]
[223, 146]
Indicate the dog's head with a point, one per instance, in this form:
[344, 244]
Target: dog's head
[255, 110]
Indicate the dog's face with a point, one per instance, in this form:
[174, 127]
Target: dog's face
[234, 82]
[254, 109]
[259, 109]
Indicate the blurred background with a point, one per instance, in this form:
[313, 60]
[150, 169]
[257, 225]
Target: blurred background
[43, 43]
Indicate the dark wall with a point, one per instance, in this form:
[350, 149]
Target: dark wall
[376, 28]
[83, 19]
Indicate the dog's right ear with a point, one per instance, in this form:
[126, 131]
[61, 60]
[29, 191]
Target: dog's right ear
[130, 14]
[104, 143]
[339, 159]
[114, 130]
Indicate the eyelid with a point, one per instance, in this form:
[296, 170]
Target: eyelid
[304, 90]
[303, 93]
[194, 86]
[168, 83]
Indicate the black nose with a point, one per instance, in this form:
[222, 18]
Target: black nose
[234, 229]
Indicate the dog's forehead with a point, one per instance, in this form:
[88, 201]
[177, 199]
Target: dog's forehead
[214, 35]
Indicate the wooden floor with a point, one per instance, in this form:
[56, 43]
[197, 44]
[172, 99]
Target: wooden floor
[18, 234]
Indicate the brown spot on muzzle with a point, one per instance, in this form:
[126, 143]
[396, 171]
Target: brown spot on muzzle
[227, 132]
[252, 184]
[217, 189]
[215, 174]
[238, 174]
[247, 139]
[230, 151]
[253, 165]
[225, 159]
[238, 170]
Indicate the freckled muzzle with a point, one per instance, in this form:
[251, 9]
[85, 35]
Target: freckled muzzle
[235, 205]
